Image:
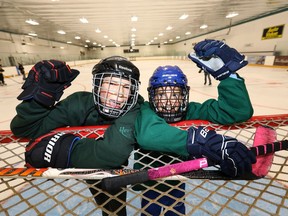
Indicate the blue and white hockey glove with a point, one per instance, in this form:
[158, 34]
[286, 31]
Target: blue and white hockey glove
[217, 58]
[46, 82]
[234, 158]
[51, 150]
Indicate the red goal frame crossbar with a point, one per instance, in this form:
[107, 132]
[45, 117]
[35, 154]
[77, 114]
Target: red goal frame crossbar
[6, 136]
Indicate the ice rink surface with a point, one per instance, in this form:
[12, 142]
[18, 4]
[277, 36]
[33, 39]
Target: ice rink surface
[267, 87]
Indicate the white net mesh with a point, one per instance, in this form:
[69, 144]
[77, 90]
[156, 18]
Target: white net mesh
[265, 196]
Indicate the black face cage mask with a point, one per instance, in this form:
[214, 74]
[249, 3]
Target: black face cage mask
[171, 115]
[128, 105]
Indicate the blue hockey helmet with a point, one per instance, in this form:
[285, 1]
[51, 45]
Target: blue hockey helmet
[169, 93]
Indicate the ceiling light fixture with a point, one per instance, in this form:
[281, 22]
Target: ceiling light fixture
[32, 34]
[231, 15]
[77, 37]
[32, 22]
[83, 20]
[203, 26]
[97, 30]
[169, 27]
[61, 32]
[184, 16]
[134, 19]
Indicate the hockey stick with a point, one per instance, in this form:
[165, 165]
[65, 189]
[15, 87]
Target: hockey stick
[69, 173]
[110, 184]
[98, 174]
[78, 173]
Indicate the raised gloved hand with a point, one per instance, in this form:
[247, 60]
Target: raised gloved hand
[217, 58]
[46, 82]
[51, 150]
[234, 158]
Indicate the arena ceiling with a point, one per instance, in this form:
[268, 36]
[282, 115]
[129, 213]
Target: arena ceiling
[158, 20]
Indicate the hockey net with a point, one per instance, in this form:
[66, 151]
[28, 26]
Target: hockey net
[265, 196]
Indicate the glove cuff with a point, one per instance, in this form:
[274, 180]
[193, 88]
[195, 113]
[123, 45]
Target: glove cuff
[192, 149]
[198, 143]
[195, 142]
[46, 98]
[222, 73]
[234, 66]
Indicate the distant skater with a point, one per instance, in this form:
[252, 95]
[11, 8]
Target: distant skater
[2, 82]
[22, 70]
[205, 77]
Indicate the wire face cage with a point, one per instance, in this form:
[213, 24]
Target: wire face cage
[23, 194]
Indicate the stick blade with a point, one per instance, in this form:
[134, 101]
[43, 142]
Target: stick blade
[262, 136]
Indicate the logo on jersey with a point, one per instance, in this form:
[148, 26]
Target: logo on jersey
[127, 132]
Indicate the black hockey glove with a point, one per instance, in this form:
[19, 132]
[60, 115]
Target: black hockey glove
[46, 82]
[233, 157]
[217, 58]
[51, 150]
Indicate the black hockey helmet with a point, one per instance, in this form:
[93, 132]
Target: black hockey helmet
[119, 67]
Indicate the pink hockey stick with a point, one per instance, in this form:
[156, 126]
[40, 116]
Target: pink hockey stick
[263, 135]
[259, 148]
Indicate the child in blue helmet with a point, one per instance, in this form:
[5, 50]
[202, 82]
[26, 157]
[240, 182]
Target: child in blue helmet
[169, 93]
[168, 96]
[169, 99]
